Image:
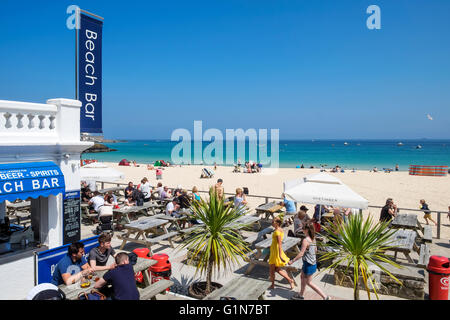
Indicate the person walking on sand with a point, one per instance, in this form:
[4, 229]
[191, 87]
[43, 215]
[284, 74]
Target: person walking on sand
[308, 254]
[278, 258]
[426, 210]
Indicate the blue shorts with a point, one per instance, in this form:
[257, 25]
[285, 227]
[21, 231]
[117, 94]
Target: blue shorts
[309, 269]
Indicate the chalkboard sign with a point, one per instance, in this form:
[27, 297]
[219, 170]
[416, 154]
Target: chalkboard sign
[71, 217]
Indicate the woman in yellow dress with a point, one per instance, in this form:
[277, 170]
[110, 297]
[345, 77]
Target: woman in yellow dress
[277, 257]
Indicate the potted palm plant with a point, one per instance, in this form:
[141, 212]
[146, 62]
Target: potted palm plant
[355, 244]
[215, 244]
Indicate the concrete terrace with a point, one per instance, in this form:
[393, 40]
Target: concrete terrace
[183, 275]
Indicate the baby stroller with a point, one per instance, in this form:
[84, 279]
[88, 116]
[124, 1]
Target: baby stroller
[105, 216]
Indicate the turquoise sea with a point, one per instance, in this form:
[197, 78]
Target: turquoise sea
[358, 154]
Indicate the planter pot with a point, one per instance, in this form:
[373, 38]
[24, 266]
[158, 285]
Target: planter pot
[197, 289]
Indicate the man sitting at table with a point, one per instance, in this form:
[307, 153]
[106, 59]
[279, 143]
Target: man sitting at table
[72, 266]
[165, 193]
[121, 278]
[183, 200]
[129, 190]
[172, 208]
[96, 202]
[98, 256]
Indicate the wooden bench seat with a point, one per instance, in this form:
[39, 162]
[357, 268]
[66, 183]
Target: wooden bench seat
[241, 288]
[189, 229]
[427, 234]
[149, 293]
[261, 235]
[163, 237]
[424, 255]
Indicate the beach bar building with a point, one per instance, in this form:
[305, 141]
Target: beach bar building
[40, 149]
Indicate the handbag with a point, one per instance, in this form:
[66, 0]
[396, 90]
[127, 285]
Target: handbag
[93, 295]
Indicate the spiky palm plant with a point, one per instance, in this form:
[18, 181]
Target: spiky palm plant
[216, 244]
[356, 243]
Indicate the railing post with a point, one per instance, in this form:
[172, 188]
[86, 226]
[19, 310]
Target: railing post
[439, 225]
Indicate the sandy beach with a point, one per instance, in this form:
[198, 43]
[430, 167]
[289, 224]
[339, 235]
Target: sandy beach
[406, 190]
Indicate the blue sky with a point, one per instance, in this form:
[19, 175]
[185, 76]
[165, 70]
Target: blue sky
[309, 68]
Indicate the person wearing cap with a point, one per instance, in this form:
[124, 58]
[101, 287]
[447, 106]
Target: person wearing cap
[218, 189]
[300, 220]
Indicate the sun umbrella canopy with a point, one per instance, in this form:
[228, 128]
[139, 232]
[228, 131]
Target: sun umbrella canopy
[324, 189]
[98, 171]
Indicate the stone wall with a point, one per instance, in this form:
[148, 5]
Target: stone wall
[412, 278]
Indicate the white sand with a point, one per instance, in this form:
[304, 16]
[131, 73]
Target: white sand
[406, 190]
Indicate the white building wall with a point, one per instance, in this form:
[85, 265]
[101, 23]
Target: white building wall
[32, 132]
[16, 279]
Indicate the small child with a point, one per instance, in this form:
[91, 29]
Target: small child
[427, 212]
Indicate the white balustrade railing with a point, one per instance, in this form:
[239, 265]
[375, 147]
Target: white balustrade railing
[22, 118]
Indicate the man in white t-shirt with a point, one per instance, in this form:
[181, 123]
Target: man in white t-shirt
[172, 208]
[96, 201]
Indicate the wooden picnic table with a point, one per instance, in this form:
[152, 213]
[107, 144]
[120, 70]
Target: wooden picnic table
[263, 251]
[72, 291]
[114, 190]
[142, 229]
[404, 241]
[241, 288]
[124, 211]
[410, 222]
[247, 220]
[268, 209]
[405, 221]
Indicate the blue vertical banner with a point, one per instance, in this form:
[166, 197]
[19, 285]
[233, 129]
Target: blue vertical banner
[90, 74]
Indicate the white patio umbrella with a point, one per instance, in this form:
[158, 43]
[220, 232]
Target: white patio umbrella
[98, 171]
[324, 189]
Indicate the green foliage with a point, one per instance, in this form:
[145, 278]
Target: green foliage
[216, 244]
[357, 243]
